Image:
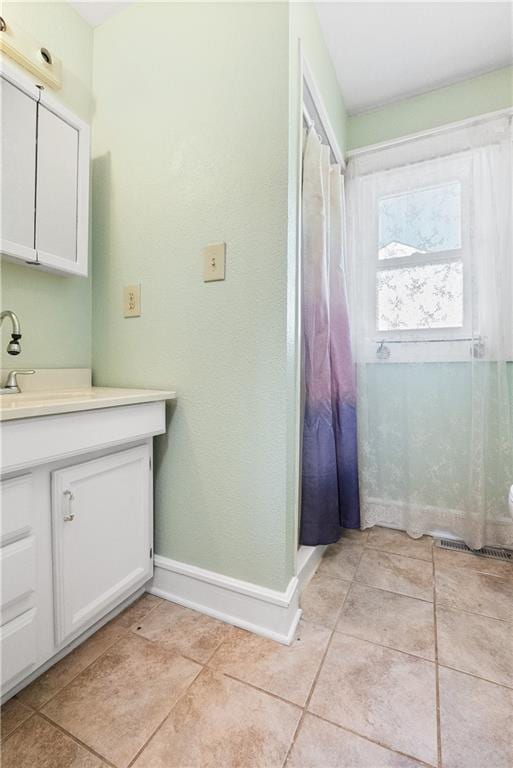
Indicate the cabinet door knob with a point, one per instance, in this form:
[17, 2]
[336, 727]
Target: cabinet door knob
[71, 515]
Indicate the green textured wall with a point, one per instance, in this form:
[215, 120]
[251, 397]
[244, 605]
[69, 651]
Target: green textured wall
[54, 311]
[486, 93]
[190, 147]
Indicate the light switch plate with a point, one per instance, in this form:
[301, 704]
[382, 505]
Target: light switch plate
[214, 258]
[132, 300]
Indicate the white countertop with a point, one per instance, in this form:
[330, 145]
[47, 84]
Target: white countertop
[33, 403]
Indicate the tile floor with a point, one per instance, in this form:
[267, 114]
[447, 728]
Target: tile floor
[404, 658]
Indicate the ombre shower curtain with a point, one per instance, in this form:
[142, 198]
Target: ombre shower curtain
[329, 492]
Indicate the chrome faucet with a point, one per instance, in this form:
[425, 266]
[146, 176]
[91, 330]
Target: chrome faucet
[11, 383]
[14, 346]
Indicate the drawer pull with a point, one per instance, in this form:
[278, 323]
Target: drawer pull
[71, 515]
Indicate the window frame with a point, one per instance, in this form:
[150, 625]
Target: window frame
[452, 342]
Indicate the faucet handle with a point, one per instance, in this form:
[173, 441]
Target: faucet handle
[11, 381]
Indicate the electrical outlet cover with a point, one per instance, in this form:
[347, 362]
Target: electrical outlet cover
[132, 300]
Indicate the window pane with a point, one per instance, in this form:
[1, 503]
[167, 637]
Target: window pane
[422, 221]
[414, 298]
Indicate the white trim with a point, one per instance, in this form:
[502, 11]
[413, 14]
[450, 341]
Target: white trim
[294, 306]
[430, 132]
[264, 611]
[318, 101]
[308, 558]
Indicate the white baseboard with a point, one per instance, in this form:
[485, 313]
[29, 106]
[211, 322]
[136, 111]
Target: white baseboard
[308, 558]
[266, 612]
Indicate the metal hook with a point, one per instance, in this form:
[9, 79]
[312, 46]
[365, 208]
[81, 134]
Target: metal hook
[3, 25]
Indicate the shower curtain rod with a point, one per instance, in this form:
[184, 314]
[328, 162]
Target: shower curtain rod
[308, 118]
[323, 124]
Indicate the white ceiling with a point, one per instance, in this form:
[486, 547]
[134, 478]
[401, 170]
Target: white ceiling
[386, 51]
[95, 12]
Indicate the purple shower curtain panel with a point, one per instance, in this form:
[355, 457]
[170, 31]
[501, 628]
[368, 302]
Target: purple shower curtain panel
[329, 494]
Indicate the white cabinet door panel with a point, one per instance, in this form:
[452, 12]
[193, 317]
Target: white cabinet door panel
[16, 508]
[56, 194]
[18, 570]
[18, 648]
[18, 171]
[102, 532]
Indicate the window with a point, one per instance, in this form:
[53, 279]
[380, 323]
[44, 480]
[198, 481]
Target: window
[420, 269]
[429, 233]
[422, 276]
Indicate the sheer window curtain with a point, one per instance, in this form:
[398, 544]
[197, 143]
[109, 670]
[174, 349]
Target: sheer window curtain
[435, 404]
[329, 497]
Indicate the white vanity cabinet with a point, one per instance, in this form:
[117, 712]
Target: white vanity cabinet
[76, 527]
[101, 526]
[18, 632]
[45, 151]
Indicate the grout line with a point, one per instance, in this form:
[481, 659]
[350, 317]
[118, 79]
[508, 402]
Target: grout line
[370, 740]
[74, 738]
[386, 647]
[437, 675]
[396, 554]
[457, 609]
[477, 677]
[401, 594]
[256, 687]
[319, 668]
[159, 726]
[32, 713]
[123, 634]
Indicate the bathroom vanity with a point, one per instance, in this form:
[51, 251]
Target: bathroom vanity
[77, 516]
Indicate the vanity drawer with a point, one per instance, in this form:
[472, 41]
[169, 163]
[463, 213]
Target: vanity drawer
[18, 647]
[18, 568]
[17, 516]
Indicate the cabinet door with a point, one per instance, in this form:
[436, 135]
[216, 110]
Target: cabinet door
[18, 171]
[102, 531]
[56, 194]
[19, 604]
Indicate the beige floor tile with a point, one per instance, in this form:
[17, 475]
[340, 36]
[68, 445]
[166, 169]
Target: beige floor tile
[322, 600]
[187, 632]
[341, 560]
[115, 704]
[386, 695]
[13, 714]
[399, 543]
[222, 723]
[468, 590]
[404, 575]
[323, 745]
[476, 722]
[37, 744]
[355, 534]
[453, 559]
[476, 644]
[38, 693]
[397, 621]
[287, 671]
[136, 612]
